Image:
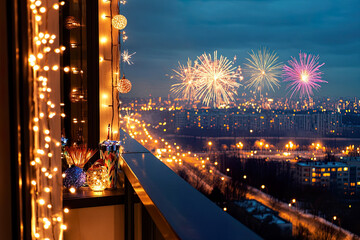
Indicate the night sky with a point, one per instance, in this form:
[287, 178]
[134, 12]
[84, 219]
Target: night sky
[164, 32]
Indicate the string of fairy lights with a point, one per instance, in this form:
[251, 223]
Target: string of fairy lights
[120, 83]
[44, 59]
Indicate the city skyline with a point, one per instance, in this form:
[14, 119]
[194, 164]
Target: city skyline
[164, 33]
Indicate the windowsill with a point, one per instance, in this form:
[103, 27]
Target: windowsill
[84, 198]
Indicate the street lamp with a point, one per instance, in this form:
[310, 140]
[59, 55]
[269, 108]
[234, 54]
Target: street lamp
[210, 144]
[262, 186]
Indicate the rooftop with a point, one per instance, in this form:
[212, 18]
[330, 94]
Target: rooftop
[261, 212]
[322, 164]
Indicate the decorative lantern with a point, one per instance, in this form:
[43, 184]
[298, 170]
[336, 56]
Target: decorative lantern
[119, 22]
[97, 177]
[123, 85]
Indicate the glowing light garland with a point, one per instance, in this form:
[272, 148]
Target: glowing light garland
[46, 192]
[117, 37]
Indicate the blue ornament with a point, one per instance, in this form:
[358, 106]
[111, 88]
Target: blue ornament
[64, 141]
[74, 177]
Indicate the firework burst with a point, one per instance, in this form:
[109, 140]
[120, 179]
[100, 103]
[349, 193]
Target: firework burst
[264, 70]
[127, 57]
[304, 75]
[186, 74]
[217, 80]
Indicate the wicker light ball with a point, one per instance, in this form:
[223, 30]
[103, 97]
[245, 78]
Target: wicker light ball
[123, 85]
[119, 22]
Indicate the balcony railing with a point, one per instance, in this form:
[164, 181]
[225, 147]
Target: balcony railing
[178, 210]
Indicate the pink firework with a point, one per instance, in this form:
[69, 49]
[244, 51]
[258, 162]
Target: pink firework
[304, 75]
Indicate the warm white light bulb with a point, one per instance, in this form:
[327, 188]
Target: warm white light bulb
[32, 58]
[103, 40]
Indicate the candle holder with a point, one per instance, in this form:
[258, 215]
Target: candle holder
[109, 153]
[97, 177]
